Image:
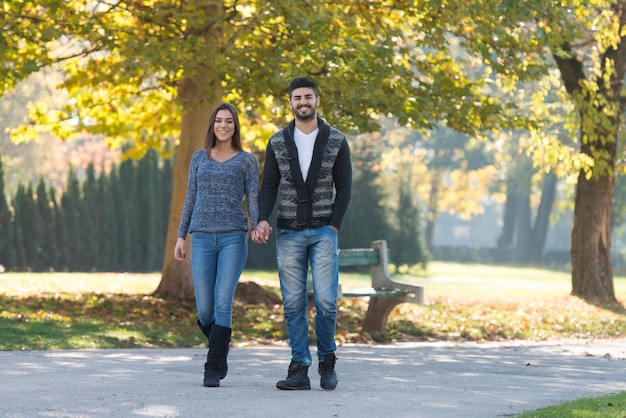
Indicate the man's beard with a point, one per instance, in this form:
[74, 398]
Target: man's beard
[305, 117]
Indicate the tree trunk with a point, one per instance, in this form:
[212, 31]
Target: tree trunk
[523, 241]
[592, 275]
[542, 221]
[176, 280]
[509, 219]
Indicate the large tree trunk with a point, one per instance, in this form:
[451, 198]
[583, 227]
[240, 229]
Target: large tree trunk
[176, 280]
[592, 275]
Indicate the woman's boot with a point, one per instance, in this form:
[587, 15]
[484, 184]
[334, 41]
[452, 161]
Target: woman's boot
[216, 366]
[207, 332]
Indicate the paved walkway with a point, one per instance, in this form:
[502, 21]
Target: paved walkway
[399, 380]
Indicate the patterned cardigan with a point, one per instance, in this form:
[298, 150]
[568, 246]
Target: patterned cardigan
[324, 198]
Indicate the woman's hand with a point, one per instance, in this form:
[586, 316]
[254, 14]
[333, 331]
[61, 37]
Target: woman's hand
[261, 233]
[179, 250]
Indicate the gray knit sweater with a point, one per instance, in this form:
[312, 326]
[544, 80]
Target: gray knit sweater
[215, 191]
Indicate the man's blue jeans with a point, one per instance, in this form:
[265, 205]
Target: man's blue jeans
[295, 251]
[217, 260]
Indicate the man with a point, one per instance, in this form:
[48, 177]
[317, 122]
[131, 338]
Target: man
[308, 164]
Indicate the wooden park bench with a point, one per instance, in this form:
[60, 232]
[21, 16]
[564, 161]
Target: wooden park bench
[384, 293]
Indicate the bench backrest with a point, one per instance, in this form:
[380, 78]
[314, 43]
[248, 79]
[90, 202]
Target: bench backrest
[359, 257]
[381, 280]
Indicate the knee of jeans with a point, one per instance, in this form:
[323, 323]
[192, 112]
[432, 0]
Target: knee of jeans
[293, 307]
[326, 308]
[327, 313]
[205, 318]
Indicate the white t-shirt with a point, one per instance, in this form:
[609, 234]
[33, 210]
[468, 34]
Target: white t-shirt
[305, 144]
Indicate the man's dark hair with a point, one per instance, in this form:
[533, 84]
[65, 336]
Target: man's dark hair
[301, 82]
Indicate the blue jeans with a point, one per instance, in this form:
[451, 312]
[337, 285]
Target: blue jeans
[217, 260]
[295, 251]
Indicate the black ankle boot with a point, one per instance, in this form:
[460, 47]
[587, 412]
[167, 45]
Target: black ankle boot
[211, 375]
[216, 365]
[326, 369]
[223, 368]
[297, 377]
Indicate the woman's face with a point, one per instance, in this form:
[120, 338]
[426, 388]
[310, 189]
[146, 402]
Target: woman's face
[224, 127]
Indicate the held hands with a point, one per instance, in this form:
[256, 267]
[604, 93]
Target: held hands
[179, 250]
[261, 233]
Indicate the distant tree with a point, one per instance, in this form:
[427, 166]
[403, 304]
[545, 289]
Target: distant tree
[407, 239]
[365, 220]
[17, 240]
[457, 177]
[148, 204]
[165, 197]
[88, 219]
[30, 224]
[7, 248]
[33, 230]
[61, 241]
[49, 249]
[106, 225]
[71, 208]
[130, 216]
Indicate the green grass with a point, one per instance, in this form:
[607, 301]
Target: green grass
[463, 280]
[463, 302]
[454, 279]
[30, 284]
[500, 281]
[612, 406]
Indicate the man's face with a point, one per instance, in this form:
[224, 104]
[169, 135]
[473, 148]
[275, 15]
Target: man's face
[304, 103]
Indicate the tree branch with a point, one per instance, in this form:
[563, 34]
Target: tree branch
[571, 68]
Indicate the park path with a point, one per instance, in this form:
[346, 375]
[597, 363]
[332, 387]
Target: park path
[398, 380]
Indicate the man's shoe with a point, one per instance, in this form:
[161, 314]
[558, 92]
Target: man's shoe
[297, 377]
[326, 369]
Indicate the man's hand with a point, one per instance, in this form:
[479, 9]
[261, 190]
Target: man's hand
[261, 233]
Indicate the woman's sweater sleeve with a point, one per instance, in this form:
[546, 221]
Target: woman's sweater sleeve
[252, 190]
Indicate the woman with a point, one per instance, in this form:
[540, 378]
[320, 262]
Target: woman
[220, 175]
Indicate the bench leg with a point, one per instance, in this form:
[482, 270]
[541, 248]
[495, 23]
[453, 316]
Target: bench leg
[378, 311]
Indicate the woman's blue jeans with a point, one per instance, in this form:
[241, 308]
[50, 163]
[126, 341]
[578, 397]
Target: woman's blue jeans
[295, 251]
[217, 260]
